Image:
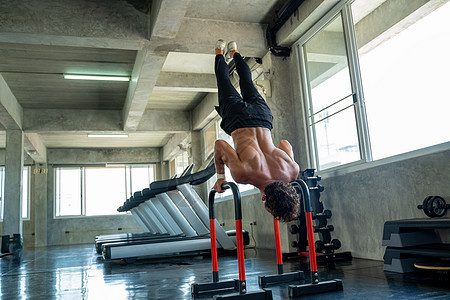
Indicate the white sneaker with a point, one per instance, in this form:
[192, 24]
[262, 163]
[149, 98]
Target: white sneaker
[220, 44]
[232, 46]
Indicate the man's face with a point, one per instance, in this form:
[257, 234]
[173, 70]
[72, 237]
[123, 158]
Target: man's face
[264, 201]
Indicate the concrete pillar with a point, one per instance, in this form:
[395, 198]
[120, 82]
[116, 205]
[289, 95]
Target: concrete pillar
[197, 157]
[282, 99]
[196, 150]
[12, 217]
[39, 174]
[158, 171]
[165, 170]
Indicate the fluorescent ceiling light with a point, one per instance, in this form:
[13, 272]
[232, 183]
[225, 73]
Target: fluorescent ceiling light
[96, 77]
[108, 135]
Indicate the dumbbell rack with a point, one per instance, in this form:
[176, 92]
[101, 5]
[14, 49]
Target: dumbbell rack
[325, 245]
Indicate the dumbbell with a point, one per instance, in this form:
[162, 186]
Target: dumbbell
[294, 229]
[317, 177]
[318, 187]
[326, 213]
[327, 228]
[434, 206]
[334, 244]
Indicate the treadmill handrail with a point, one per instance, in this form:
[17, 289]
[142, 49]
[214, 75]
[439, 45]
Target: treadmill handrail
[162, 186]
[193, 179]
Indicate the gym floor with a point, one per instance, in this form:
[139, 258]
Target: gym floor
[76, 272]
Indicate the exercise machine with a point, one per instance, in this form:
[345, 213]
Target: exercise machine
[414, 240]
[11, 244]
[434, 206]
[175, 217]
[185, 209]
[240, 284]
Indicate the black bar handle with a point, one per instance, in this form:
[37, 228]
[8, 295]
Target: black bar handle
[304, 189]
[236, 198]
[212, 195]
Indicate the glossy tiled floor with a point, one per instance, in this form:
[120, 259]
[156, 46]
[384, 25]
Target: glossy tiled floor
[76, 272]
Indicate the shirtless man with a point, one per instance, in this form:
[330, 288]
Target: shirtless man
[255, 160]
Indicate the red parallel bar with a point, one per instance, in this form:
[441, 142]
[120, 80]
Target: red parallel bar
[212, 229]
[312, 248]
[240, 248]
[276, 229]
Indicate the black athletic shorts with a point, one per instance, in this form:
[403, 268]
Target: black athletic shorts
[237, 113]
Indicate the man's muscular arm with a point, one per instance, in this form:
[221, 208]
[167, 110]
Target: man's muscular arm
[224, 154]
[286, 147]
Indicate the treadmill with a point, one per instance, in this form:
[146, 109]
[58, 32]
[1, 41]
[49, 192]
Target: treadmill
[142, 215]
[166, 208]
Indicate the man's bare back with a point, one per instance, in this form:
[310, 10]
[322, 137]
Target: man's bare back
[255, 159]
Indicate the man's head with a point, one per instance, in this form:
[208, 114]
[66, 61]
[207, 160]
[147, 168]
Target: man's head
[282, 201]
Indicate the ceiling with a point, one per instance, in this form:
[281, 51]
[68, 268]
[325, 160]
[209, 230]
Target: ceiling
[166, 47]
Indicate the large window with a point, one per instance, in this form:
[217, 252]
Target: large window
[405, 80]
[362, 74]
[179, 163]
[25, 191]
[90, 191]
[331, 103]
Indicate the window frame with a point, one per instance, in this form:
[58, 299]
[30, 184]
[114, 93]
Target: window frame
[55, 169]
[28, 192]
[83, 187]
[342, 10]
[28, 217]
[366, 161]
[173, 163]
[214, 122]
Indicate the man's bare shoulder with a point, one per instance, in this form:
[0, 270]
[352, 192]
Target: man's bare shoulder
[285, 146]
[283, 165]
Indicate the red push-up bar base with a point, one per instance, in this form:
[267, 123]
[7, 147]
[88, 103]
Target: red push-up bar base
[234, 284]
[315, 286]
[281, 276]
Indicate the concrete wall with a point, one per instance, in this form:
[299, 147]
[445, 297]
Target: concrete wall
[82, 230]
[362, 201]
[103, 156]
[76, 230]
[252, 210]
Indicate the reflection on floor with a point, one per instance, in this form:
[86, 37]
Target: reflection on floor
[76, 272]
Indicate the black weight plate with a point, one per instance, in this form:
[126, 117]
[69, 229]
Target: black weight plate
[438, 206]
[425, 206]
[430, 207]
[336, 243]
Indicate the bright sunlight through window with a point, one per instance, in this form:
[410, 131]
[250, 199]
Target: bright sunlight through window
[407, 89]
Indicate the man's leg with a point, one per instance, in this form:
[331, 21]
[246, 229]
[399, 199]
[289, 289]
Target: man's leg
[248, 90]
[226, 89]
